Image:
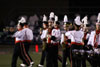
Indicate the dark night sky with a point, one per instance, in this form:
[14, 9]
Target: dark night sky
[9, 8]
[41, 3]
[9, 5]
[33, 3]
[84, 3]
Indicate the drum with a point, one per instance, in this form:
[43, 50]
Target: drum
[77, 53]
[89, 53]
[97, 53]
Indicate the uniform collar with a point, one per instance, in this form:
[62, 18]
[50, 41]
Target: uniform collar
[56, 28]
[19, 29]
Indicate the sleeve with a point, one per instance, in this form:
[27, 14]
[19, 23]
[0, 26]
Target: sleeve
[82, 34]
[53, 32]
[62, 38]
[41, 35]
[29, 34]
[88, 35]
[19, 34]
[72, 36]
[59, 35]
[67, 34]
[44, 34]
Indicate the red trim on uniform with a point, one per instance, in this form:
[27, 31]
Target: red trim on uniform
[56, 28]
[97, 32]
[95, 43]
[27, 40]
[23, 54]
[19, 29]
[17, 41]
[76, 43]
[26, 53]
[85, 36]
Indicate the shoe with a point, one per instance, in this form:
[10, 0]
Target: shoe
[66, 63]
[39, 65]
[32, 63]
[22, 65]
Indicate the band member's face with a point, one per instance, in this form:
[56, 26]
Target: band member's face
[65, 27]
[19, 27]
[44, 25]
[50, 23]
[55, 26]
[98, 26]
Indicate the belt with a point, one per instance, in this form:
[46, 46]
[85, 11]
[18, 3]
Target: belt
[76, 43]
[17, 42]
[27, 40]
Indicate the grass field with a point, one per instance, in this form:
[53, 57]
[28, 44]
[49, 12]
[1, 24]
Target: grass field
[6, 57]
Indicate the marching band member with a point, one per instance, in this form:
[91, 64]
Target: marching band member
[51, 20]
[65, 42]
[44, 39]
[94, 41]
[19, 47]
[27, 39]
[52, 50]
[77, 41]
[85, 39]
[94, 37]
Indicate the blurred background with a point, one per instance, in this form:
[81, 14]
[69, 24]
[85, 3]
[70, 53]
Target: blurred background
[33, 10]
